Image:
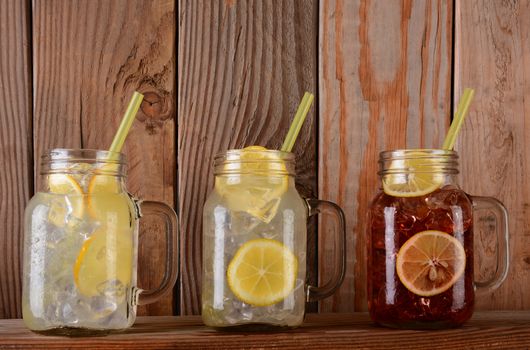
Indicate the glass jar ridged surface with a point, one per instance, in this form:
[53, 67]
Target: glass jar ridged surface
[254, 209]
[420, 242]
[80, 248]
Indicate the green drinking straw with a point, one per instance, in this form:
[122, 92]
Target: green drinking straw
[297, 123]
[458, 120]
[126, 122]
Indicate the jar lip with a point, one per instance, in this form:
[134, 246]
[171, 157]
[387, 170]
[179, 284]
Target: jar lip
[83, 155]
[83, 161]
[418, 160]
[417, 153]
[285, 156]
[231, 162]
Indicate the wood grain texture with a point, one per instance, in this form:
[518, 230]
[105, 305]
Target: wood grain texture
[492, 55]
[384, 82]
[89, 57]
[493, 330]
[16, 171]
[243, 68]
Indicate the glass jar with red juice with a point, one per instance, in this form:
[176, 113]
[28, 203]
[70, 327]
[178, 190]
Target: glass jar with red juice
[420, 242]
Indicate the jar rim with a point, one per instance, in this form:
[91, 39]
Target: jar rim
[64, 160]
[427, 160]
[286, 156]
[73, 154]
[280, 163]
[417, 152]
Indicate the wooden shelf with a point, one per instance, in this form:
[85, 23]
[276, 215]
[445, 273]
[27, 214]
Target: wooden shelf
[492, 330]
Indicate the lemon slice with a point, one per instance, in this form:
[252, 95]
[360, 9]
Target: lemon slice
[256, 193]
[262, 272]
[66, 185]
[63, 184]
[104, 263]
[104, 195]
[418, 178]
[430, 262]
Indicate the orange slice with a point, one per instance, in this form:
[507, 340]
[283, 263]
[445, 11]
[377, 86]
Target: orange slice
[430, 262]
[262, 272]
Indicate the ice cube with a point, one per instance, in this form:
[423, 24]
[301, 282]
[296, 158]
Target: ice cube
[241, 223]
[52, 314]
[116, 320]
[67, 314]
[64, 288]
[102, 306]
[82, 226]
[82, 173]
[246, 312]
[58, 210]
[280, 316]
[405, 216]
[440, 220]
[265, 212]
[54, 237]
[111, 288]
[237, 311]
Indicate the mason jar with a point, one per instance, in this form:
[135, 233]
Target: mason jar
[255, 242]
[420, 242]
[81, 244]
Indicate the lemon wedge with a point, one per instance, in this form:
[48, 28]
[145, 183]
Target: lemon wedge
[104, 263]
[262, 272]
[105, 195]
[66, 185]
[248, 185]
[105, 260]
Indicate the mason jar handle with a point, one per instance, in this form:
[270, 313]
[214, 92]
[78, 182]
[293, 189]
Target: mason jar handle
[172, 249]
[316, 206]
[502, 236]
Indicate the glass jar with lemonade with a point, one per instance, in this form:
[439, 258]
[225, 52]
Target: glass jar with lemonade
[81, 243]
[254, 243]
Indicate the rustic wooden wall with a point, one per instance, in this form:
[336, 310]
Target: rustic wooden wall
[386, 73]
[16, 170]
[492, 54]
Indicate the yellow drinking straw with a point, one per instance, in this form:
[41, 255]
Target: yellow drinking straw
[126, 122]
[458, 120]
[297, 123]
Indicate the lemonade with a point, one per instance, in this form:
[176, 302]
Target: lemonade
[254, 242]
[80, 242]
[80, 249]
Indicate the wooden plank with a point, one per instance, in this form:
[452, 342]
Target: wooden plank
[385, 82]
[89, 57]
[492, 55]
[243, 68]
[16, 172]
[493, 330]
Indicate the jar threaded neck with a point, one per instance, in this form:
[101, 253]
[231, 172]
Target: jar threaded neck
[407, 161]
[256, 163]
[83, 161]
